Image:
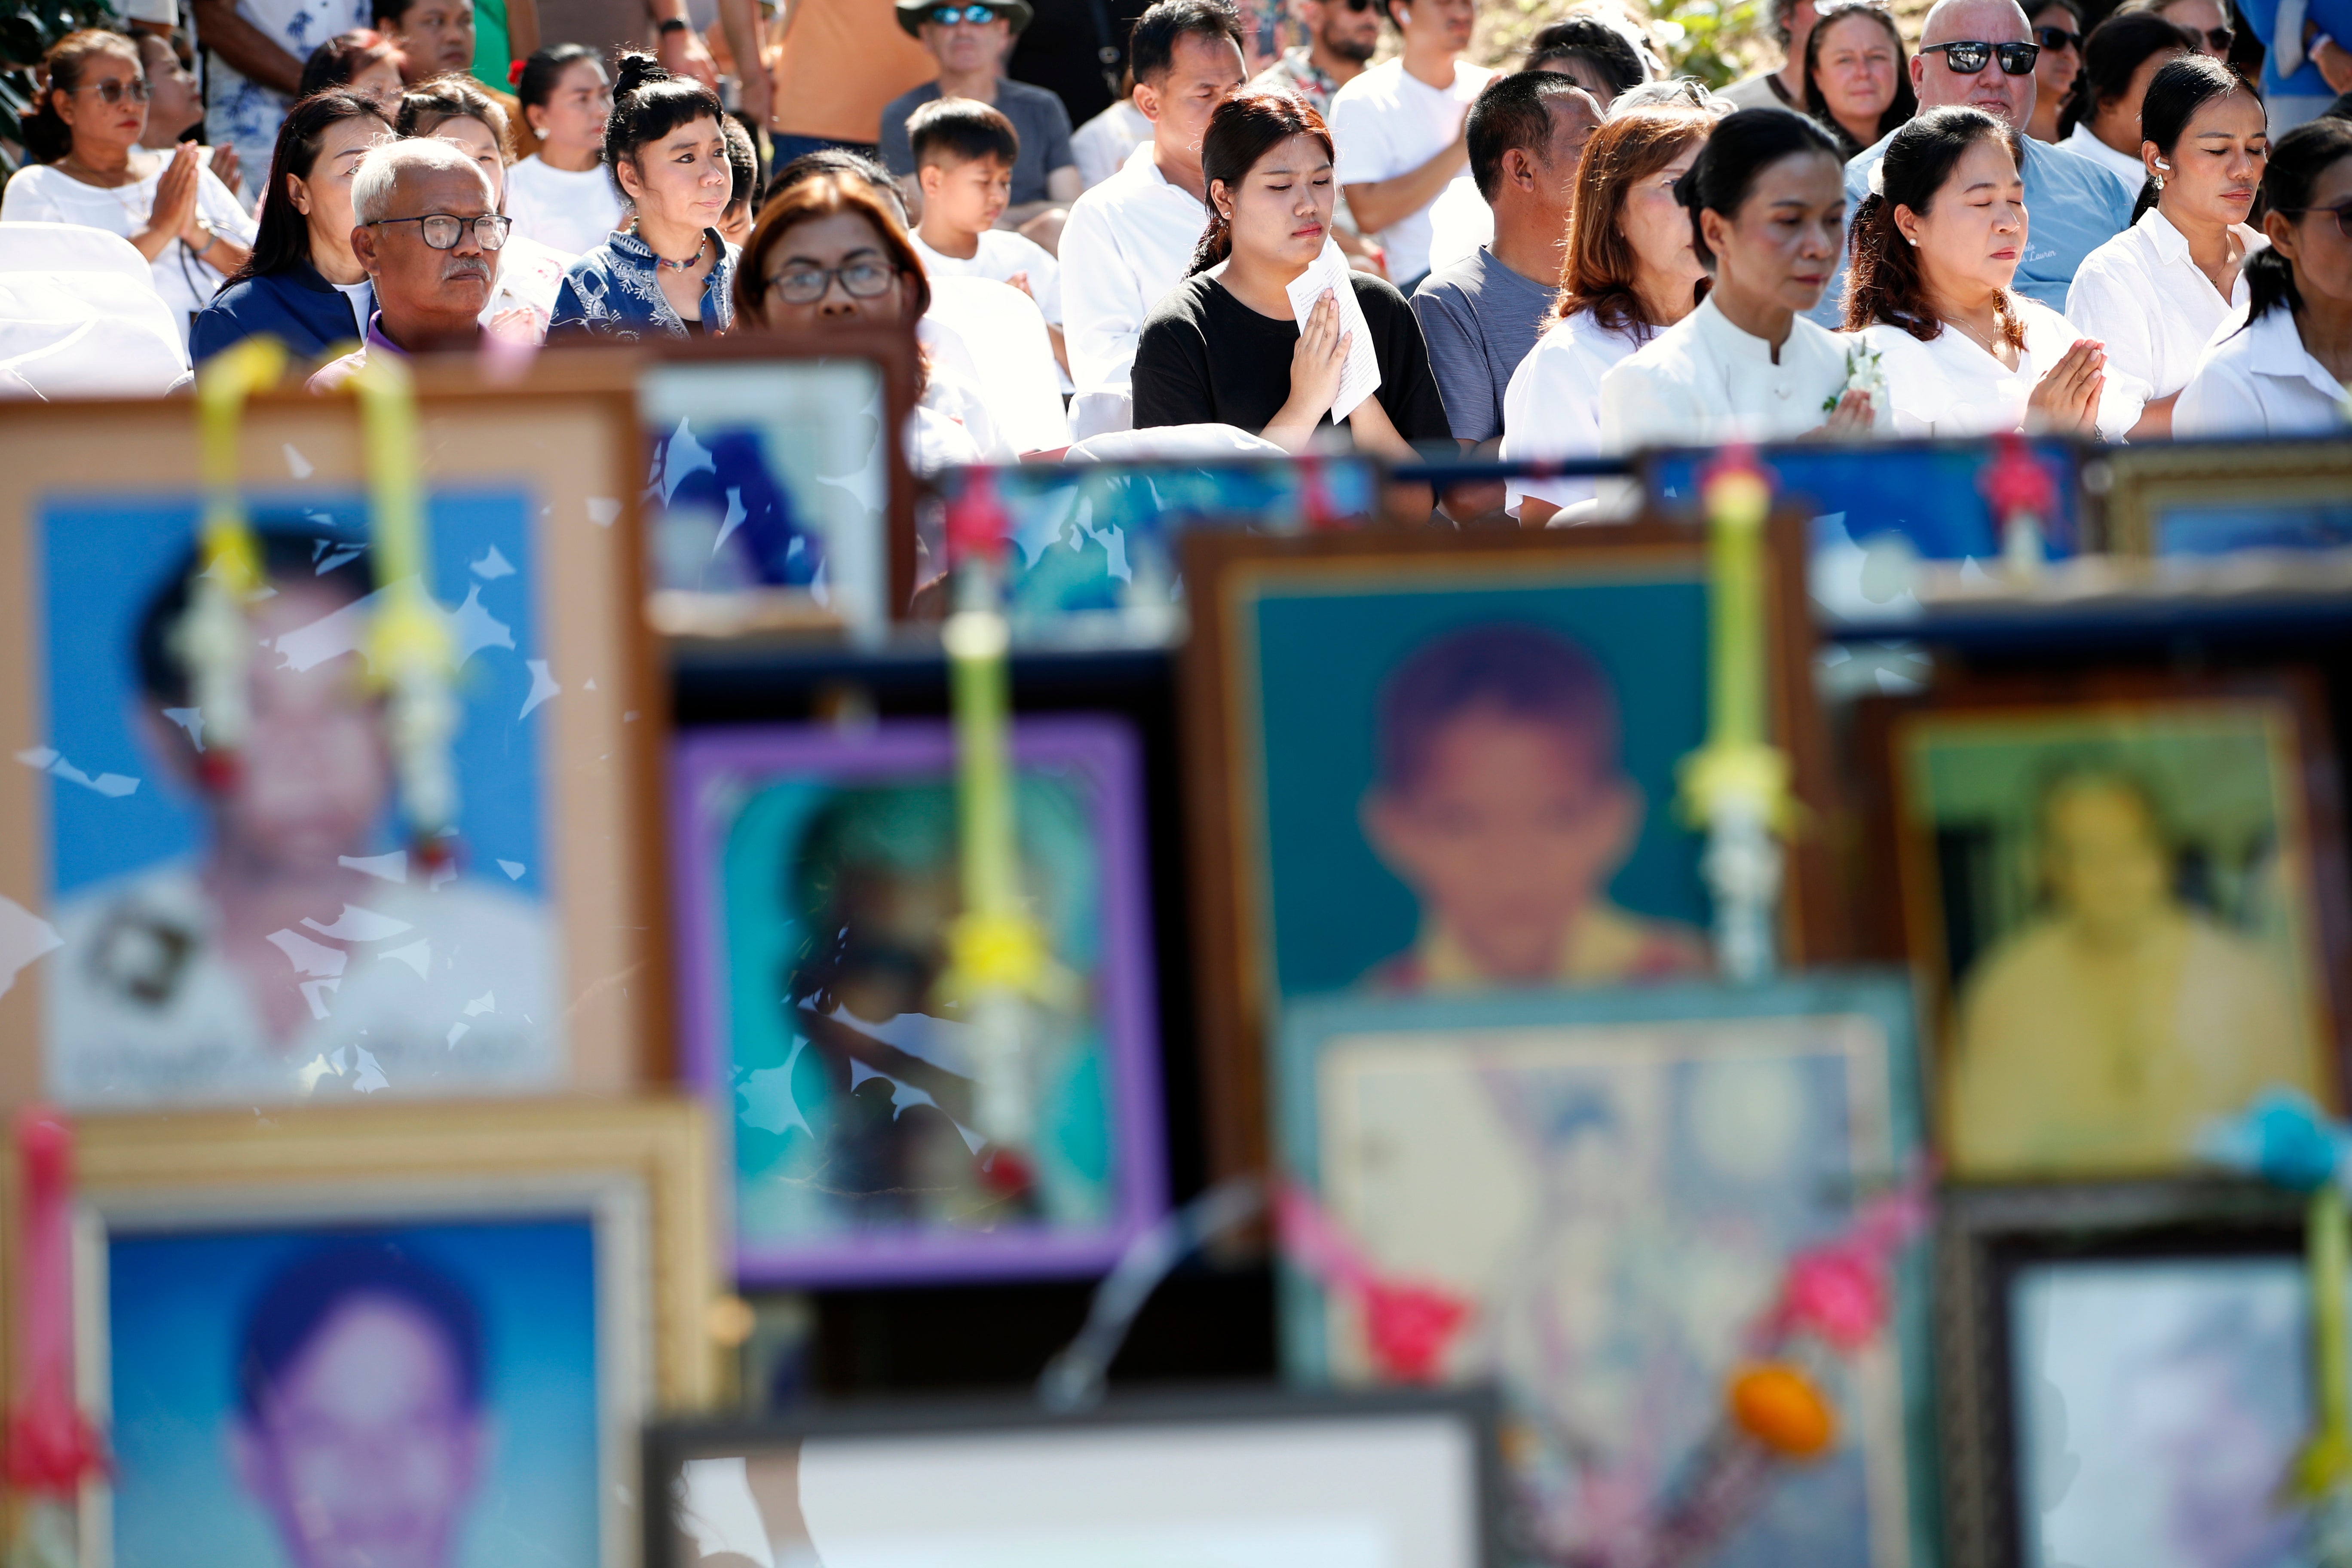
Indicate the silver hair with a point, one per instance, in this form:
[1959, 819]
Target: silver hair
[382, 165]
[1682, 92]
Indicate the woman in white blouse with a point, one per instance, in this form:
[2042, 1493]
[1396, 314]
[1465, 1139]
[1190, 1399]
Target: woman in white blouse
[2157, 293]
[2120, 57]
[2284, 373]
[1934, 245]
[1631, 271]
[1767, 202]
[90, 169]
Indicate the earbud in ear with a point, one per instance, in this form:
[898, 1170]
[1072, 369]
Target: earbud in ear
[2163, 166]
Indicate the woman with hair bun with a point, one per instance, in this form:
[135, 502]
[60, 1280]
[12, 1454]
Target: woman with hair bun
[1766, 204]
[1935, 247]
[2157, 293]
[2285, 372]
[560, 194]
[2120, 57]
[670, 272]
[1223, 347]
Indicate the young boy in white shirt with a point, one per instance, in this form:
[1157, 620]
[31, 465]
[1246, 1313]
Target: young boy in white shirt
[964, 152]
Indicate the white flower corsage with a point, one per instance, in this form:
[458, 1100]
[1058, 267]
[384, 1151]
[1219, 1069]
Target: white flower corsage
[1862, 373]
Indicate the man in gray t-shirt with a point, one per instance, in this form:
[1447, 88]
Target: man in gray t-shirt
[1526, 135]
[970, 42]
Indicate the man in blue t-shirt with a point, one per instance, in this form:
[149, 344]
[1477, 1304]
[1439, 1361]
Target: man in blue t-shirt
[2073, 207]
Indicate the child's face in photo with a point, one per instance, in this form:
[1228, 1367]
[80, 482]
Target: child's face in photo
[1507, 833]
[971, 196]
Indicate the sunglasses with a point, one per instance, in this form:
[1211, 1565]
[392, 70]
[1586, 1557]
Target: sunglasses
[1359, 5]
[2341, 212]
[949, 16]
[111, 93]
[442, 232]
[1968, 58]
[2218, 39]
[2057, 39]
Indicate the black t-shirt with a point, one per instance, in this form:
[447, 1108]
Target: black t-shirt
[1205, 357]
[1060, 50]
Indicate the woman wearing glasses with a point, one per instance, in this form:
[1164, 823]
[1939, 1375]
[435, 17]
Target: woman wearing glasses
[90, 169]
[2158, 292]
[1935, 249]
[669, 272]
[2058, 28]
[2284, 373]
[2121, 57]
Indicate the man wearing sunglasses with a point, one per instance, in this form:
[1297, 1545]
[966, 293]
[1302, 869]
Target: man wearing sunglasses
[429, 234]
[1342, 36]
[970, 41]
[1980, 53]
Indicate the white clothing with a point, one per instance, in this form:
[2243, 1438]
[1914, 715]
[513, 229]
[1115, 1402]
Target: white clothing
[447, 990]
[361, 295]
[1703, 382]
[952, 388]
[1551, 410]
[1104, 143]
[1951, 385]
[1460, 221]
[244, 114]
[78, 317]
[44, 194]
[2141, 296]
[563, 211]
[974, 322]
[1002, 254]
[2122, 166]
[1127, 242]
[2259, 382]
[522, 298]
[1385, 123]
[936, 440]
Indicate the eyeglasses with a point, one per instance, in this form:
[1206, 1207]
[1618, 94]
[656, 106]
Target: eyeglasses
[859, 281]
[1359, 5]
[2057, 39]
[949, 16]
[2218, 39]
[111, 93]
[442, 232]
[2342, 213]
[1968, 58]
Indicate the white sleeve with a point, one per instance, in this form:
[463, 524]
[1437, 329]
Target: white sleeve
[27, 200]
[2104, 304]
[1045, 283]
[1102, 308]
[1360, 138]
[1641, 406]
[2217, 401]
[1917, 392]
[1551, 412]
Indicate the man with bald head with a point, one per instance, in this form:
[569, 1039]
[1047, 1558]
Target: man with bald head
[428, 235]
[1980, 54]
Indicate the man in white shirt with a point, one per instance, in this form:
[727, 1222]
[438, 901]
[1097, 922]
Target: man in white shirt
[1130, 239]
[1398, 128]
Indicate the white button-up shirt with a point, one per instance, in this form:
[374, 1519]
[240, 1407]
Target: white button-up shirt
[1952, 385]
[1703, 381]
[1127, 243]
[2259, 382]
[2143, 297]
[1551, 410]
[2122, 166]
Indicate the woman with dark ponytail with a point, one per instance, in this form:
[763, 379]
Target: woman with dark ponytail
[1224, 348]
[2158, 292]
[1935, 245]
[560, 194]
[669, 273]
[1767, 205]
[2120, 57]
[2284, 373]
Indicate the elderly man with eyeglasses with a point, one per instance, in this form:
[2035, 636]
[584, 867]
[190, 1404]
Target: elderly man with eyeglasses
[1980, 53]
[429, 234]
[970, 40]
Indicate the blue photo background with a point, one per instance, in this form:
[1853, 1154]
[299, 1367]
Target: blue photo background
[176, 1306]
[1323, 659]
[106, 558]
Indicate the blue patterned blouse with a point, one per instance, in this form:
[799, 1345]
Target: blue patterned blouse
[613, 292]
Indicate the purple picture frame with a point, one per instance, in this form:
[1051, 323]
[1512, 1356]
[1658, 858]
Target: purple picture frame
[705, 764]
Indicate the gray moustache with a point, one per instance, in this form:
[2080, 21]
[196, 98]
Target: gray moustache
[457, 269]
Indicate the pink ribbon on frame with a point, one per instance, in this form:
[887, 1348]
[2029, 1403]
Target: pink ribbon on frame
[51, 1448]
[1408, 1326]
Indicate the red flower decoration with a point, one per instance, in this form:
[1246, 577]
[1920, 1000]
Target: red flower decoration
[1838, 1293]
[2013, 483]
[514, 72]
[1409, 1326]
[976, 522]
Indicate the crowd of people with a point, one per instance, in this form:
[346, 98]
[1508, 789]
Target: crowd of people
[2049, 220]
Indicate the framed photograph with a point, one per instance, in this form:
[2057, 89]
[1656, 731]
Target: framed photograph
[1093, 557]
[253, 927]
[817, 873]
[1447, 762]
[2124, 1373]
[1614, 1180]
[777, 498]
[2188, 513]
[387, 1334]
[1274, 1480]
[2125, 896]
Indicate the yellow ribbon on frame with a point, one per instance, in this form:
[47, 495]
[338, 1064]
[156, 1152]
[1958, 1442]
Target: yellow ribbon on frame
[1737, 768]
[2324, 1466]
[211, 638]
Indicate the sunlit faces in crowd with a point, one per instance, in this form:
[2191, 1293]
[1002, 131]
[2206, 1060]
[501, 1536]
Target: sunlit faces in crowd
[436, 37]
[569, 119]
[426, 292]
[683, 181]
[1204, 70]
[2058, 30]
[1856, 76]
